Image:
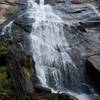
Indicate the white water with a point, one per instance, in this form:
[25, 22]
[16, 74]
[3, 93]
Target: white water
[44, 40]
[49, 48]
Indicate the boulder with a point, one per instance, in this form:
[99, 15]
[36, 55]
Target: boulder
[93, 72]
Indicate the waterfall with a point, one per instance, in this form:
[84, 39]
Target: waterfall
[54, 66]
[57, 46]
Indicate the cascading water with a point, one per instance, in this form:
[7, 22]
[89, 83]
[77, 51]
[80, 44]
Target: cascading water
[54, 66]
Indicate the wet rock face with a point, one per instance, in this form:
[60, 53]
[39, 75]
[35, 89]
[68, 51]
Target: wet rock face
[22, 6]
[85, 1]
[52, 2]
[81, 36]
[24, 23]
[81, 1]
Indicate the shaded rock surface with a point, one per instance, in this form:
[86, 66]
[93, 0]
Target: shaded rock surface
[93, 68]
[93, 75]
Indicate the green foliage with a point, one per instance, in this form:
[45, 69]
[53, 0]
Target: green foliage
[5, 82]
[4, 46]
[12, 9]
[27, 72]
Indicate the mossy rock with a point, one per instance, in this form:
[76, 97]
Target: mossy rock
[26, 62]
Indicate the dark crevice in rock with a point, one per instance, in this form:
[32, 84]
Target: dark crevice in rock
[93, 76]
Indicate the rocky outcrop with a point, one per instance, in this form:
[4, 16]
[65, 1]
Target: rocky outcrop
[93, 69]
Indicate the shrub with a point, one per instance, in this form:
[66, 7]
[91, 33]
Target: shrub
[5, 82]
